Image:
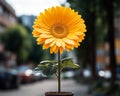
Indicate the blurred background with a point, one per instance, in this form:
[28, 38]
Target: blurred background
[98, 56]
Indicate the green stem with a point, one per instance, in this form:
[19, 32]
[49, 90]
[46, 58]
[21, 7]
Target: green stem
[59, 73]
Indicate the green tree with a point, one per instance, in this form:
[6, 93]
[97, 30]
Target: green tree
[111, 33]
[87, 52]
[36, 54]
[17, 40]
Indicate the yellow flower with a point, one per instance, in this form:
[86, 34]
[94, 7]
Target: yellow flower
[59, 28]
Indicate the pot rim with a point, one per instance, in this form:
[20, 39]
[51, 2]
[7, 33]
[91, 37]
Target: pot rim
[59, 94]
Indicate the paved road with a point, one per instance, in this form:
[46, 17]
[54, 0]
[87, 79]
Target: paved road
[39, 88]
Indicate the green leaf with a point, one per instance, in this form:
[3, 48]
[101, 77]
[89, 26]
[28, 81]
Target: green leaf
[47, 68]
[36, 69]
[47, 61]
[67, 62]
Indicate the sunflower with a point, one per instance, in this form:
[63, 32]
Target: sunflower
[59, 28]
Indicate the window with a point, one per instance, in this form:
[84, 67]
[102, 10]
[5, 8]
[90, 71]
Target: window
[1, 10]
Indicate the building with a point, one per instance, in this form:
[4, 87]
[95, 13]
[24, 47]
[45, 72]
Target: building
[100, 64]
[27, 20]
[7, 15]
[117, 37]
[103, 54]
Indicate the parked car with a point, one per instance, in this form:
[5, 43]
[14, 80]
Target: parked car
[38, 76]
[9, 78]
[67, 74]
[86, 73]
[26, 74]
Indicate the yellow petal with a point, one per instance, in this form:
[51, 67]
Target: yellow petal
[61, 50]
[36, 34]
[40, 40]
[56, 50]
[45, 46]
[47, 41]
[58, 42]
[51, 51]
[72, 36]
[52, 43]
[46, 36]
[68, 46]
[81, 37]
[67, 49]
[62, 43]
[41, 31]
[53, 48]
[74, 20]
[79, 33]
[77, 44]
[68, 41]
[44, 19]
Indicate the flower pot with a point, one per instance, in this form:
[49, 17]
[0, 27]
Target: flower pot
[59, 94]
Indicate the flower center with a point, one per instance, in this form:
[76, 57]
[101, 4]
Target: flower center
[59, 31]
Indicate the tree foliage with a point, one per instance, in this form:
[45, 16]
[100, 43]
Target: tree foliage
[17, 40]
[96, 16]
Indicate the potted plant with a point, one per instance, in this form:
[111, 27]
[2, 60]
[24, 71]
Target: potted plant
[58, 28]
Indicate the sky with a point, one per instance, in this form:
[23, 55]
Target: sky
[32, 7]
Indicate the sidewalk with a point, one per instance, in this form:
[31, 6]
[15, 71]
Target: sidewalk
[39, 88]
[77, 89]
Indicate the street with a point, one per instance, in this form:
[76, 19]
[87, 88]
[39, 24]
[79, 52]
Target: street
[39, 88]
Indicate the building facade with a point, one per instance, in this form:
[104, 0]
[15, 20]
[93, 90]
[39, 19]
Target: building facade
[103, 54]
[7, 15]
